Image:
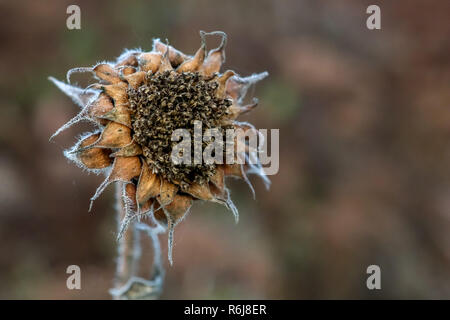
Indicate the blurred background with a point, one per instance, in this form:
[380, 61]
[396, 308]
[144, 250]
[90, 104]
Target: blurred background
[364, 119]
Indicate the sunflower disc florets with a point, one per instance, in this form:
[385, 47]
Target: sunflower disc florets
[168, 101]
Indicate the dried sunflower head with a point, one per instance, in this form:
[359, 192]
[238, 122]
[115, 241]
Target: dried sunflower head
[136, 105]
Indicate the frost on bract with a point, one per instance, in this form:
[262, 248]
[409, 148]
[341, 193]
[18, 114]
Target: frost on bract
[135, 104]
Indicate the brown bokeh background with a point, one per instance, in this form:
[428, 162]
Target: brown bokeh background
[364, 119]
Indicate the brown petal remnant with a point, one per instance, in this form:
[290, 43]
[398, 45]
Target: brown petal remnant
[237, 87]
[125, 168]
[176, 57]
[222, 80]
[135, 79]
[107, 73]
[150, 61]
[133, 149]
[147, 206]
[196, 61]
[236, 110]
[167, 192]
[217, 184]
[126, 71]
[165, 62]
[118, 114]
[179, 207]
[215, 58]
[199, 191]
[94, 158]
[101, 106]
[160, 216]
[115, 135]
[234, 170]
[117, 92]
[149, 185]
[220, 195]
[218, 179]
[128, 59]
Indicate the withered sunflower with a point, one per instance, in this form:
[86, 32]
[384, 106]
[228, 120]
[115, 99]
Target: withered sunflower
[137, 103]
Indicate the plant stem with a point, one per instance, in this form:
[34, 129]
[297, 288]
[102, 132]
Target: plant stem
[127, 285]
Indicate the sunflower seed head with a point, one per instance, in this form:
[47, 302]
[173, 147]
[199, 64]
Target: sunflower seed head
[168, 101]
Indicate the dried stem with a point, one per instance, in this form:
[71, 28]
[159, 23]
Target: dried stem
[127, 284]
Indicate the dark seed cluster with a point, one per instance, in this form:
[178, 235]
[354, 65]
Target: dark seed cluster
[168, 101]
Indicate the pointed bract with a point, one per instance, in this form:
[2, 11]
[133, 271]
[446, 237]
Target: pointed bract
[196, 61]
[149, 185]
[237, 87]
[222, 80]
[119, 114]
[136, 79]
[215, 58]
[199, 191]
[94, 158]
[150, 61]
[167, 192]
[133, 149]
[107, 73]
[81, 97]
[176, 57]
